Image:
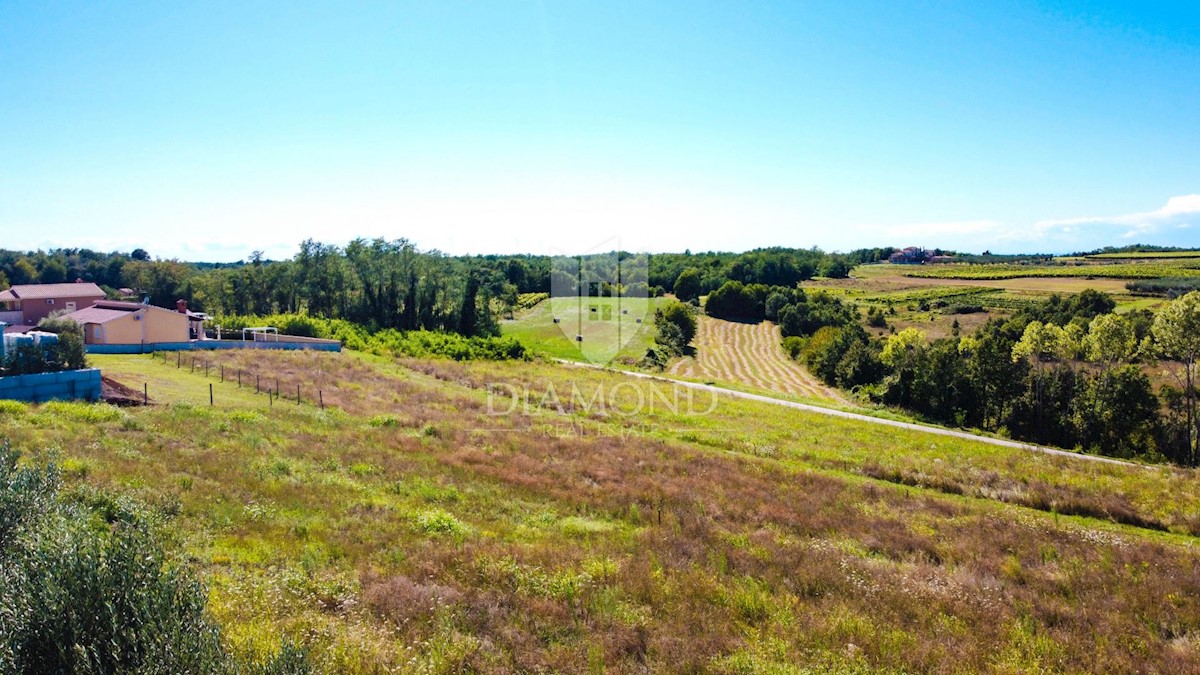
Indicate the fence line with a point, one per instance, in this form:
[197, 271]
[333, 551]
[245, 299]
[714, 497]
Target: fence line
[272, 393]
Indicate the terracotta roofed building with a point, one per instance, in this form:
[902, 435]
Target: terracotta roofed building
[27, 304]
[109, 322]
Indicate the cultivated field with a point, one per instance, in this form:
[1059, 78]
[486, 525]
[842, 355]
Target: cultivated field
[927, 302]
[749, 355]
[1148, 269]
[1144, 255]
[417, 530]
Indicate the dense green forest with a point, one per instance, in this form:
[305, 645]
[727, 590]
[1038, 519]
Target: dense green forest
[392, 284]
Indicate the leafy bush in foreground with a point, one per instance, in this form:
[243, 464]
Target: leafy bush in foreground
[88, 591]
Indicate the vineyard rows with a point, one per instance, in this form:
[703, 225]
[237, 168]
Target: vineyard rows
[1152, 270]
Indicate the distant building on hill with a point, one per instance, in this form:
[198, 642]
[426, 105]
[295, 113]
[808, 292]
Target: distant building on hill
[913, 255]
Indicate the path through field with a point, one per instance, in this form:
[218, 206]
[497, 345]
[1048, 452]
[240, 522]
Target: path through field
[750, 354]
[844, 414]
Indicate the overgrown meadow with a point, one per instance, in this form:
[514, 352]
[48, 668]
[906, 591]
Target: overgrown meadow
[408, 527]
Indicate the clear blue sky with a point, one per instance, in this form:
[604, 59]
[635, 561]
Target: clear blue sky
[208, 130]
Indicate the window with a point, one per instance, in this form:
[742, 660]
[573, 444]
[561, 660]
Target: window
[50, 301]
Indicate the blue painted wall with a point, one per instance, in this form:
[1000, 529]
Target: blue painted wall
[69, 385]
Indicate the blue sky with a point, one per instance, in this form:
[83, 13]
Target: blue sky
[209, 130]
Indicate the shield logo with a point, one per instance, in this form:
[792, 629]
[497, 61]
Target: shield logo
[600, 300]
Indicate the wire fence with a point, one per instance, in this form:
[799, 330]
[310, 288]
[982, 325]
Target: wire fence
[244, 378]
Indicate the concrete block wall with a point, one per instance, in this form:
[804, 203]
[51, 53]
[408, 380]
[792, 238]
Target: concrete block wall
[68, 385]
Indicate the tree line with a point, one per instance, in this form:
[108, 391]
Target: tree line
[690, 275]
[377, 283]
[1067, 371]
[392, 284]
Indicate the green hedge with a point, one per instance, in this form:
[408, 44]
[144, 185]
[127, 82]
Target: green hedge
[416, 343]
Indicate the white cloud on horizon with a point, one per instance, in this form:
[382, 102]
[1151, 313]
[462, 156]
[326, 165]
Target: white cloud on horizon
[1168, 223]
[1180, 212]
[558, 217]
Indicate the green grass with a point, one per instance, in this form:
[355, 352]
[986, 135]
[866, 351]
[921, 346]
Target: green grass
[739, 425]
[412, 531]
[187, 384]
[535, 328]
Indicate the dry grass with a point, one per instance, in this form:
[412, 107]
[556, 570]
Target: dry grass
[589, 542]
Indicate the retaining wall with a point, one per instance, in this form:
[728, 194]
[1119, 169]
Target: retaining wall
[146, 348]
[69, 385]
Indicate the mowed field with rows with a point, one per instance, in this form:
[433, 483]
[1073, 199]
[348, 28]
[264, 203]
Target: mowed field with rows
[748, 354]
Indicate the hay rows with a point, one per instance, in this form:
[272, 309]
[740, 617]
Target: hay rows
[749, 354]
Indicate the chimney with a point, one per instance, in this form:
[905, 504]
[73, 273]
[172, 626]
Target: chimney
[181, 306]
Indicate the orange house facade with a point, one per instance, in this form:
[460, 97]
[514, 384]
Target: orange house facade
[127, 323]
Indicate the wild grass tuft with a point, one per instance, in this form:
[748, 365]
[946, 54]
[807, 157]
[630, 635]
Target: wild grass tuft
[439, 522]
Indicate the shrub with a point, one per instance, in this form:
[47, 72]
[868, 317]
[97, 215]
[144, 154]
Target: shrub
[12, 408]
[793, 345]
[392, 342]
[964, 309]
[656, 358]
[384, 420]
[77, 598]
[530, 300]
[69, 353]
[687, 286]
[437, 521]
[676, 325]
[736, 301]
[835, 267]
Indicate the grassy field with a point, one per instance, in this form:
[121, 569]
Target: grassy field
[408, 527]
[749, 355]
[1153, 269]
[610, 332]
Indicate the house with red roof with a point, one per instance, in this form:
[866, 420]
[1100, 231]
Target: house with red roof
[27, 304]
